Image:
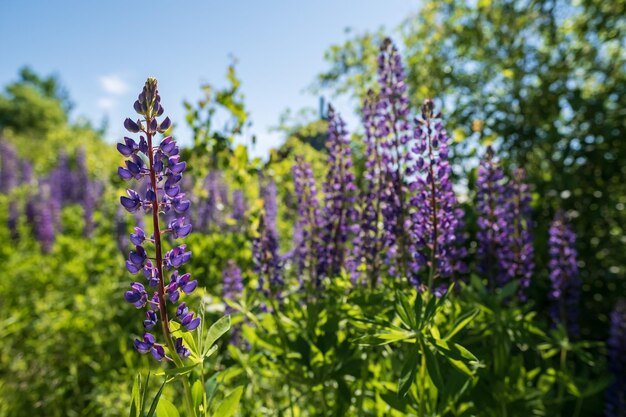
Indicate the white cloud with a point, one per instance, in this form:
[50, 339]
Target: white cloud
[113, 84]
[106, 103]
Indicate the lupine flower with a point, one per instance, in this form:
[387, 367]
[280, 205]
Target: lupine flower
[615, 404]
[339, 212]
[8, 168]
[148, 345]
[564, 277]
[41, 209]
[27, 172]
[232, 284]
[239, 206]
[232, 289]
[367, 245]
[494, 240]
[268, 193]
[437, 220]
[211, 210]
[160, 193]
[267, 262]
[518, 262]
[307, 246]
[90, 199]
[393, 127]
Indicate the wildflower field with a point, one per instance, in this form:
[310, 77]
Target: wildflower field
[452, 253]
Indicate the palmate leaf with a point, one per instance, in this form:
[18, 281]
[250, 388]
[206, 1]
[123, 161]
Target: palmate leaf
[460, 323]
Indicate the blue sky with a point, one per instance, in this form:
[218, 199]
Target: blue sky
[104, 50]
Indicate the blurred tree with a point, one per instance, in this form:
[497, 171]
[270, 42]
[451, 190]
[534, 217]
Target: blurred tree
[34, 103]
[545, 81]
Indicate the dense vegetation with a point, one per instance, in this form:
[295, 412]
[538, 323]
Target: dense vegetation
[390, 271]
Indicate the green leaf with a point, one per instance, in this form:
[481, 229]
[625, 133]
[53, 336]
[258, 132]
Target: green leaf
[155, 400]
[380, 339]
[135, 399]
[166, 409]
[215, 332]
[228, 407]
[197, 393]
[403, 309]
[407, 376]
[210, 387]
[460, 323]
[177, 371]
[417, 310]
[432, 366]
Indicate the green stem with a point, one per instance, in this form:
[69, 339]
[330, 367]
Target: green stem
[422, 386]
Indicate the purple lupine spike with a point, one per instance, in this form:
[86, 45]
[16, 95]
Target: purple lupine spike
[158, 170]
[232, 284]
[43, 206]
[307, 246]
[239, 207]
[90, 199]
[494, 239]
[8, 168]
[437, 221]
[27, 172]
[63, 181]
[81, 181]
[210, 210]
[267, 262]
[368, 243]
[232, 290]
[268, 193]
[339, 214]
[518, 260]
[615, 396]
[393, 127]
[564, 276]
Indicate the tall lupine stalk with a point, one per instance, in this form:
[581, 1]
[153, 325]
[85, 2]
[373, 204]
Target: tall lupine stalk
[268, 265]
[519, 262]
[368, 242]
[394, 128]
[8, 167]
[339, 210]
[307, 245]
[564, 277]
[239, 207]
[161, 165]
[437, 221]
[615, 404]
[232, 290]
[493, 221]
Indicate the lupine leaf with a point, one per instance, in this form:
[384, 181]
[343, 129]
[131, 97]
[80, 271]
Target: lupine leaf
[460, 323]
[135, 400]
[228, 407]
[197, 393]
[166, 409]
[407, 376]
[155, 400]
[403, 309]
[215, 332]
[432, 365]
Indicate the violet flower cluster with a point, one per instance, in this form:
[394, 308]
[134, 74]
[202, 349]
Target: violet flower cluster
[393, 127]
[161, 168]
[339, 215]
[615, 403]
[268, 264]
[565, 281]
[505, 250]
[307, 244]
[436, 220]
